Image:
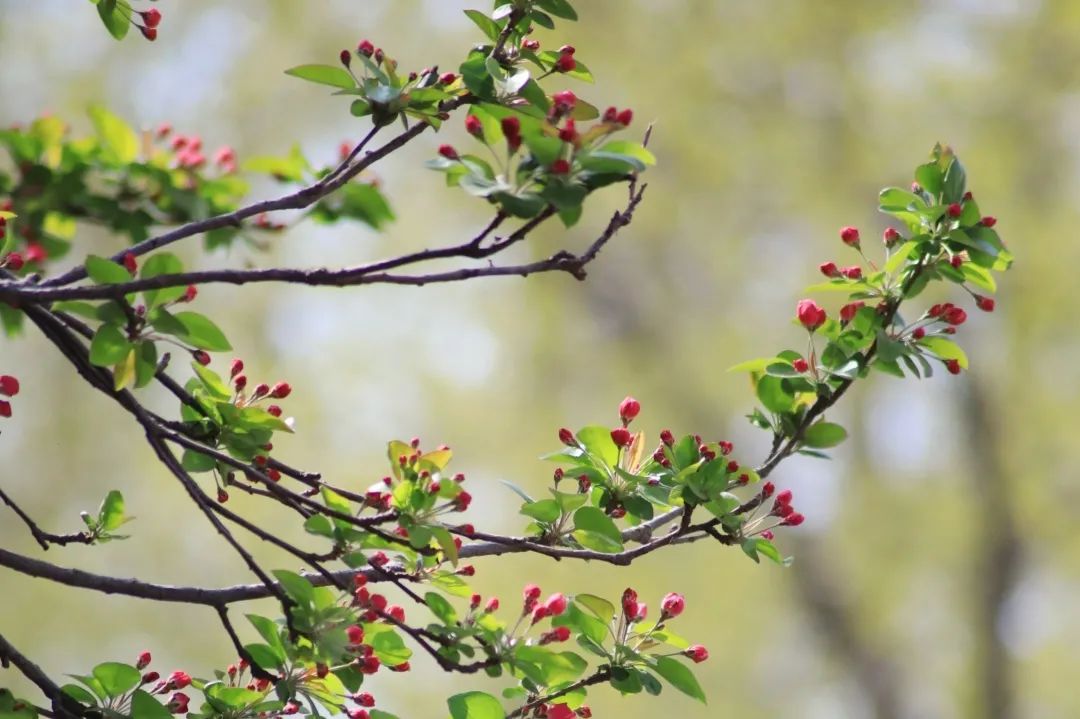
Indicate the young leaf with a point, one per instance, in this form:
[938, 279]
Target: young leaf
[323, 75]
[824, 434]
[109, 346]
[475, 705]
[679, 676]
[106, 272]
[200, 331]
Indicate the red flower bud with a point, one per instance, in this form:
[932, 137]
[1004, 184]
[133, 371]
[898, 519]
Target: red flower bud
[274, 410]
[890, 236]
[848, 311]
[511, 126]
[611, 115]
[850, 236]
[986, 304]
[560, 167]
[179, 680]
[953, 366]
[829, 269]
[698, 653]
[954, 316]
[236, 367]
[621, 436]
[555, 604]
[448, 152]
[447, 78]
[150, 677]
[767, 490]
[800, 365]
[531, 593]
[240, 381]
[564, 101]
[10, 387]
[629, 409]
[625, 117]
[346, 58]
[956, 261]
[364, 699]
[150, 33]
[130, 264]
[784, 498]
[281, 390]
[14, 261]
[954, 209]
[810, 314]
[988, 221]
[151, 18]
[918, 333]
[567, 437]
[852, 273]
[473, 126]
[201, 357]
[462, 501]
[143, 661]
[396, 612]
[355, 634]
[365, 48]
[793, 520]
[565, 63]
[673, 604]
[492, 605]
[36, 253]
[190, 293]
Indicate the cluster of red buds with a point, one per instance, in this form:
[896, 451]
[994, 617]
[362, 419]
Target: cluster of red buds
[9, 387]
[560, 711]
[366, 49]
[782, 507]
[188, 151]
[562, 107]
[150, 19]
[178, 680]
[35, 252]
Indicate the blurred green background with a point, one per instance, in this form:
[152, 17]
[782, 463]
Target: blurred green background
[938, 573]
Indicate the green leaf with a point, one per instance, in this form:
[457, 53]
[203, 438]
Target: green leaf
[119, 142]
[546, 510]
[79, 694]
[595, 530]
[930, 177]
[772, 393]
[201, 332]
[163, 263]
[390, 648]
[106, 272]
[558, 8]
[945, 349]
[194, 461]
[116, 678]
[598, 442]
[212, 382]
[114, 18]
[955, 181]
[323, 75]
[446, 543]
[600, 607]
[111, 511]
[145, 706]
[824, 434]
[296, 586]
[441, 608]
[268, 630]
[679, 676]
[451, 584]
[108, 346]
[475, 705]
[486, 24]
[628, 149]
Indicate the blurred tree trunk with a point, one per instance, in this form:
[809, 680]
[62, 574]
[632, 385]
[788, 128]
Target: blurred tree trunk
[830, 609]
[999, 554]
